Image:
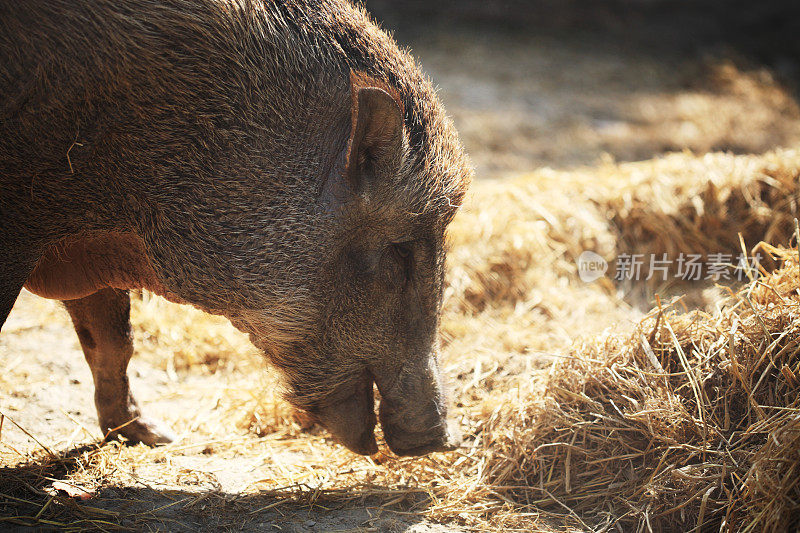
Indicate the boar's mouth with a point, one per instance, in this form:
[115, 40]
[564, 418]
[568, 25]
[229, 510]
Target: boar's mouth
[411, 426]
[351, 419]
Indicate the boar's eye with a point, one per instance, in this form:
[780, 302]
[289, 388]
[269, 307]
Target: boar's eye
[402, 250]
[399, 265]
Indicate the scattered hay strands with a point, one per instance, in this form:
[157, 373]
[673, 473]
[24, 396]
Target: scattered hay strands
[689, 422]
[672, 422]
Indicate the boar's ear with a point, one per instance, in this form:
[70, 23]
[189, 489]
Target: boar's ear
[375, 150]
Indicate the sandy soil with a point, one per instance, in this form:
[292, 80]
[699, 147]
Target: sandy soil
[520, 102]
[46, 388]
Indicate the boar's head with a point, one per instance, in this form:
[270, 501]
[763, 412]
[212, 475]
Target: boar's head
[378, 290]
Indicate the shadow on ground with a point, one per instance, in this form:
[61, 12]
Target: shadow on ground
[28, 500]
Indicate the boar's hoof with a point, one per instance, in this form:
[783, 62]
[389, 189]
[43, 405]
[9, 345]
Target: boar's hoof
[142, 430]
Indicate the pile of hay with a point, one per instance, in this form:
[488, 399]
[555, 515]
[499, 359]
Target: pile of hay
[691, 422]
[514, 297]
[667, 421]
[683, 204]
[668, 209]
[513, 242]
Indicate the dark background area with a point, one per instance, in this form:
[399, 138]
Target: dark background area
[765, 31]
[567, 83]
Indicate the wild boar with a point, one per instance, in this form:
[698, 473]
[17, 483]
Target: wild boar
[283, 164]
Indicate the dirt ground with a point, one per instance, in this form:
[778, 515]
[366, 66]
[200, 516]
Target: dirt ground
[521, 101]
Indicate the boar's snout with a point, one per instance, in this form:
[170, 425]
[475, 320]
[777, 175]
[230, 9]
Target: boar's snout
[413, 411]
[439, 437]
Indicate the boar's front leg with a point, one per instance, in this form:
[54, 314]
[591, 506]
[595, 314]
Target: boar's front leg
[102, 321]
[14, 270]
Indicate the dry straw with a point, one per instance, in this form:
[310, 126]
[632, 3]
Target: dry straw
[690, 422]
[667, 421]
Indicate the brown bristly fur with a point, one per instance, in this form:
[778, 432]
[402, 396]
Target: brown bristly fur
[210, 135]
